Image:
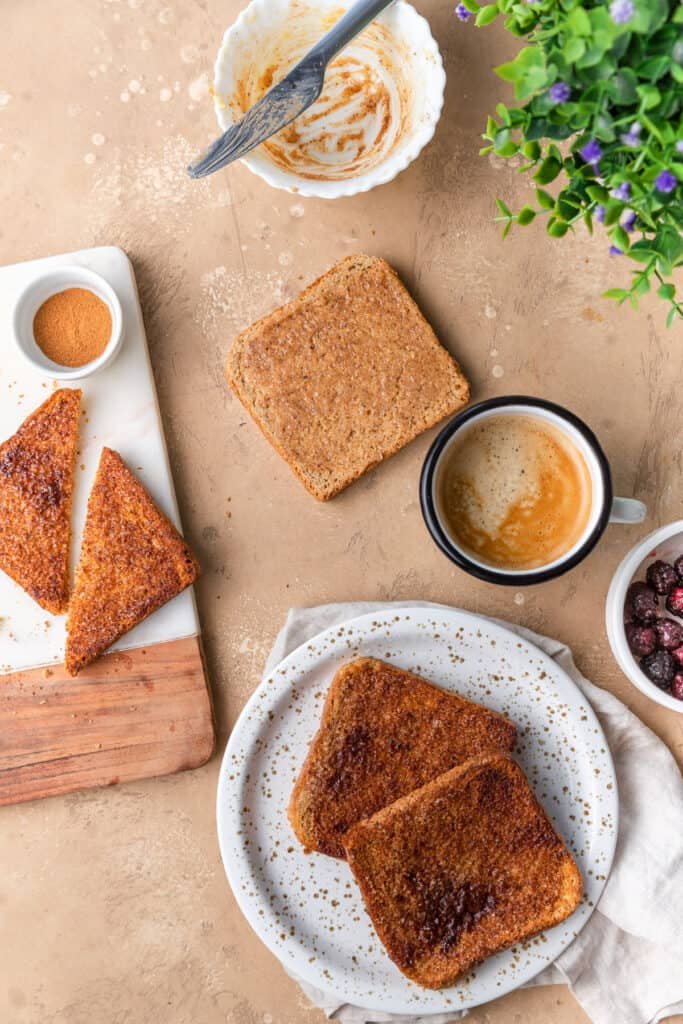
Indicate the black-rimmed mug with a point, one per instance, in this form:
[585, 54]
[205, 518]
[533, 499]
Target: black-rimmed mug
[605, 508]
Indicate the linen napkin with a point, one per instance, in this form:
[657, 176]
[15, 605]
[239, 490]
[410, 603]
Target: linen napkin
[626, 964]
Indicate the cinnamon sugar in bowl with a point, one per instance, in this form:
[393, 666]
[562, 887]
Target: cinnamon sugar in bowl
[68, 323]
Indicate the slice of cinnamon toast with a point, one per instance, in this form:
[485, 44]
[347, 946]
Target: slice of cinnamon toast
[36, 486]
[133, 561]
[383, 733]
[462, 869]
[344, 375]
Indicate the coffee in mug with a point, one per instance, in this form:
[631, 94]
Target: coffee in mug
[514, 492]
[517, 490]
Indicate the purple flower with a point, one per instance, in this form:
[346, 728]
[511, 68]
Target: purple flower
[666, 181]
[632, 136]
[622, 192]
[462, 12]
[615, 251]
[628, 220]
[559, 92]
[591, 152]
[679, 146]
[622, 11]
[600, 213]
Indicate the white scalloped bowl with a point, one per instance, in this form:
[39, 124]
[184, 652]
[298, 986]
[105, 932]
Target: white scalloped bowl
[405, 67]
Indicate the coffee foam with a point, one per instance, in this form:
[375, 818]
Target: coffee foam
[514, 491]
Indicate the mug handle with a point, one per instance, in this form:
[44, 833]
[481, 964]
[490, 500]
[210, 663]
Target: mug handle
[627, 510]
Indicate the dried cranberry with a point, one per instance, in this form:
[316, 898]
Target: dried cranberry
[669, 634]
[641, 639]
[678, 566]
[642, 602]
[661, 576]
[678, 655]
[677, 686]
[660, 668]
[674, 601]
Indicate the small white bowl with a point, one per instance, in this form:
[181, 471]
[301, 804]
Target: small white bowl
[274, 34]
[653, 546]
[32, 298]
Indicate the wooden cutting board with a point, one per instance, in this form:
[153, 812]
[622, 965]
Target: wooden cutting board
[131, 715]
[144, 709]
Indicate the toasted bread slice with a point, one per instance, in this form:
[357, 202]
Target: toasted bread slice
[133, 560]
[461, 869]
[36, 485]
[345, 375]
[383, 733]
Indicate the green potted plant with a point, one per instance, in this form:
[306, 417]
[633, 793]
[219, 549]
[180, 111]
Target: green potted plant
[606, 79]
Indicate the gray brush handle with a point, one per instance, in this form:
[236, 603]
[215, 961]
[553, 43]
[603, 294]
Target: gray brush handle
[348, 26]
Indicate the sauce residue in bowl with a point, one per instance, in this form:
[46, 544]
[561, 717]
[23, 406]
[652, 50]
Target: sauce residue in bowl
[362, 113]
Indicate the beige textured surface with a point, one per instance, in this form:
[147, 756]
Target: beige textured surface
[113, 904]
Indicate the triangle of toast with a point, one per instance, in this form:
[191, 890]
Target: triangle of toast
[383, 733]
[133, 561]
[36, 486]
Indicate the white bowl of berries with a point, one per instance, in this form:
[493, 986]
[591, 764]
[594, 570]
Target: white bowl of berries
[644, 616]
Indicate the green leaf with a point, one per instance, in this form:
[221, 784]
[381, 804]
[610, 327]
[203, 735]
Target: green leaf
[532, 150]
[653, 68]
[544, 199]
[487, 14]
[597, 193]
[666, 291]
[527, 71]
[594, 53]
[526, 215]
[673, 313]
[557, 228]
[471, 5]
[578, 22]
[620, 238]
[619, 294]
[504, 208]
[566, 208]
[622, 87]
[573, 49]
[548, 171]
[603, 128]
[641, 255]
[642, 285]
[650, 96]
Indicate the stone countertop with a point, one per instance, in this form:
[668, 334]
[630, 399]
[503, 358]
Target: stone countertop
[113, 904]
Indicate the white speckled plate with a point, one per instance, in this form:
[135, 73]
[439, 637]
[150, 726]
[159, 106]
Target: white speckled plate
[307, 909]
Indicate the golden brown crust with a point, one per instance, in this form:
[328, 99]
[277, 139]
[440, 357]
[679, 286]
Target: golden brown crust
[461, 869]
[36, 486]
[383, 733]
[133, 561]
[345, 375]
